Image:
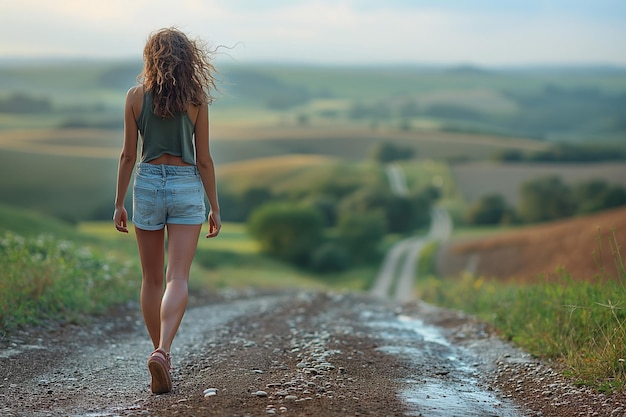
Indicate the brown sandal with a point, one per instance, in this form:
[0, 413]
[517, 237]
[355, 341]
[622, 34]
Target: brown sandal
[159, 367]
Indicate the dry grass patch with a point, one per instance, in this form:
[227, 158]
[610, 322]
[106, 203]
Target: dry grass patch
[527, 253]
[267, 171]
[89, 143]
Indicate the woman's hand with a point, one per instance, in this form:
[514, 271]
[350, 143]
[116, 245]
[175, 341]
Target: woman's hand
[120, 218]
[215, 224]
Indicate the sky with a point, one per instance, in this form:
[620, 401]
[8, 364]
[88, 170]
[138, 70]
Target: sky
[431, 32]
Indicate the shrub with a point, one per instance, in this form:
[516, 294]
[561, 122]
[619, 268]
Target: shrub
[237, 206]
[595, 195]
[362, 201]
[401, 214]
[327, 206]
[490, 209]
[287, 231]
[361, 234]
[45, 278]
[509, 155]
[330, 257]
[388, 152]
[545, 198]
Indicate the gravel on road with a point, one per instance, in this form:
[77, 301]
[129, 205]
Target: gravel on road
[292, 353]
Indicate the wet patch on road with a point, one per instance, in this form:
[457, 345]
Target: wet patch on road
[445, 380]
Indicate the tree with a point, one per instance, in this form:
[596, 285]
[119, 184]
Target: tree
[330, 257]
[508, 155]
[288, 231]
[614, 197]
[237, 205]
[588, 195]
[490, 209]
[545, 198]
[361, 234]
[327, 206]
[595, 195]
[402, 214]
[386, 152]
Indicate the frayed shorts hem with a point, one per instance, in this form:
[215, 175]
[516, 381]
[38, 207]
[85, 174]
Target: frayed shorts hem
[156, 227]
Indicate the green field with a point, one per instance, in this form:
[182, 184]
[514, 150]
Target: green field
[59, 155]
[579, 104]
[70, 173]
[71, 188]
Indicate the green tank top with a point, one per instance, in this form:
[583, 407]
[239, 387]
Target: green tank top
[159, 136]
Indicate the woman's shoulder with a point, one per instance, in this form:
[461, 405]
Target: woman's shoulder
[136, 91]
[134, 99]
[135, 96]
[194, 110]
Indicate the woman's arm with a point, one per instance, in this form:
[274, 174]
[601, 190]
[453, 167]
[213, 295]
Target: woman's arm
[128, 159]
[204, 161]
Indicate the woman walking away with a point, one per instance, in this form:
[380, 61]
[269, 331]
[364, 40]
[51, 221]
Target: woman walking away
[169, 112]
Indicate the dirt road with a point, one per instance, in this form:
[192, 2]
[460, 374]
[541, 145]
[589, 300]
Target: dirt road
[311, 354]
[293, 354]
[398, 271]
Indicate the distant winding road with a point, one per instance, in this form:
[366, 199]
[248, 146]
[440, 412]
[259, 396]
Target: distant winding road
[398, 271]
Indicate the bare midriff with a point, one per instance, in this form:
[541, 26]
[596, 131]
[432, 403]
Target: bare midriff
[167, 159]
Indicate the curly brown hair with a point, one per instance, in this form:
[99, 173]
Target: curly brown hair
[177, 71]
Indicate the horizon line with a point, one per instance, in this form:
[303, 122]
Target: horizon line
[37, 59]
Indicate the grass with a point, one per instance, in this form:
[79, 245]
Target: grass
[275, 170]
[46, 278]
[29, 223]
[233, 260]
[580, 323]
[298, 174]
[53, 271]
[380, 81]
[66, 187]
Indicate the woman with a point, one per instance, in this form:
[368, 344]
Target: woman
[169, 111]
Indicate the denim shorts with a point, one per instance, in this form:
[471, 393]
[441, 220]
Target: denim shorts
[167, 194]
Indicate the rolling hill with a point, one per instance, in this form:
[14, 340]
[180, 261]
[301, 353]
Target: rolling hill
[583, 246]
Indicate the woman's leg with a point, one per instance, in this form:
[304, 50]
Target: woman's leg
[182, 241]
[151, 253]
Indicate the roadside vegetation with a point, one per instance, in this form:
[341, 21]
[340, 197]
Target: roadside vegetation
[46, 279]
[581, 324]
[55, 272]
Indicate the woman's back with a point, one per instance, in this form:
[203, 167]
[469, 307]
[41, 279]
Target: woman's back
[165, 135]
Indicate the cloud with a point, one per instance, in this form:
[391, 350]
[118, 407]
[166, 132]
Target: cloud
[323, 31]
[319, 31]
